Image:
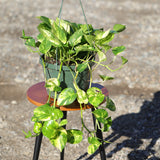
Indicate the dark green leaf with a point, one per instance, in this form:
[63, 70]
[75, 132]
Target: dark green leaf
[119, 27]
[117, 50]
[46, 20]
[95, 96]
[74, 136]
[110, 104]
[49, 128]
[124, 60]
[107, 124]
[60, 140]
[30, 42]
[81, 67]
[104, 78]
[66, 97]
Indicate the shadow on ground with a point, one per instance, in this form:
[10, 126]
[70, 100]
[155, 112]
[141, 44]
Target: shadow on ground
[136, 126]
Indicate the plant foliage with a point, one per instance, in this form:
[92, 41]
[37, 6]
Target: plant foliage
[73, 44]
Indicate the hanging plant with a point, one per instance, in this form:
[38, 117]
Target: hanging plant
[73, 46]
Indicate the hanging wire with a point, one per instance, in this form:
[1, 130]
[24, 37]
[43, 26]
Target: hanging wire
[59, 16]
[85, 19]
[60, 11]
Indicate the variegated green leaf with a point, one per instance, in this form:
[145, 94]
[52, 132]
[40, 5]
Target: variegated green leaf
[66, 97]
[43, 113]
[82, 96]
[74, 136]
[60, 139]
[95, 96]
[52, 84]
[49, 128]
[37, 127]
[76, 38]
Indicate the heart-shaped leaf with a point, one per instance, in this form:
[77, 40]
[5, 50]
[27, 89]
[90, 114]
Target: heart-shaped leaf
[117, 50]
[102, 34]
[49, 128]
[119, 27]
[60, 139]
[110, 104]
[37, 127]
[100, 115]
[101, 55]
[60, 33]
[43, 113]
[74, 136]
[63, 122]
[89, 39]
[94, 140]
[81, 67]
[57, 114]
[64, 24]
[66, 97]
[124, 60]
[45, 20]
[45, 46]
[95, 96]
[30, 42]
[76, 38]
[107, 124]
[92, 148]
[82, 96]
[46, 32]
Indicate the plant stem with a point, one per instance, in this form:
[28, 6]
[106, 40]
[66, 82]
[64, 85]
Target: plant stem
[83, 125]
[55, 93]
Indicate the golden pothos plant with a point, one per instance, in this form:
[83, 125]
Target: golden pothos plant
[80, 45]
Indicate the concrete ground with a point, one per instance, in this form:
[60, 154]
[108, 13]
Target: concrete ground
[135, 134]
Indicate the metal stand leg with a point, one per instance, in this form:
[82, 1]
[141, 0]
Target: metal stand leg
[64, 117]
[37, 146]
[100, 136]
